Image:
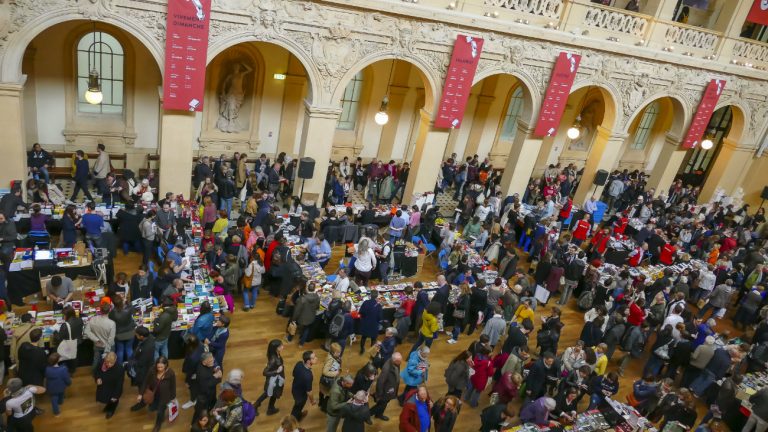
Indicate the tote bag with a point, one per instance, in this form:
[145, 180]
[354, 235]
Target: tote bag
[67, 349]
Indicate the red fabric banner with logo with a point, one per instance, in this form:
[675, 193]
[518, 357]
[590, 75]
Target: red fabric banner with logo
[759, 12]
[703, 113]
[186, 50]
[458, 81]
[556, 97]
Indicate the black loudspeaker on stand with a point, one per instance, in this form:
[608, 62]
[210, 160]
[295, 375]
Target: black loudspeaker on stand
[601, 177]
[306, 171]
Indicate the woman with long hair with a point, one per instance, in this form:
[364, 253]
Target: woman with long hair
[444, 413]
[158, 389]
[275, 373]
[457, 374]
[365, 261]
[70, 222]
[331, 371]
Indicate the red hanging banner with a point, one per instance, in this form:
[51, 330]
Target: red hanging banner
[186, 50]
[563, 75]
[759, 12]
[458, 81]
[703, 113]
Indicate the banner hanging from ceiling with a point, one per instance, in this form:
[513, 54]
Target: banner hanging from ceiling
[458, 81]
[186, 51]
[556, 97]
[703, 113]
[759, 12]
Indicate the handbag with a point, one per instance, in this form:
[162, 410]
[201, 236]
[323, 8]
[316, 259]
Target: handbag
[173, 410]
[67, 348]
[149, 393]
[459, 313]
[292, 328]
[326, 381]
[663, 351]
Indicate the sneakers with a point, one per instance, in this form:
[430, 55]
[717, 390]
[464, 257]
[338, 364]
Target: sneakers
[188, 405]
[452, 341]
[271, 411]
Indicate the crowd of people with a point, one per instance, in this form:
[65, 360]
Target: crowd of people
[675, 323]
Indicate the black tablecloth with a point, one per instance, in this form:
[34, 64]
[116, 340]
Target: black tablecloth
[27, 282]
[616, 257]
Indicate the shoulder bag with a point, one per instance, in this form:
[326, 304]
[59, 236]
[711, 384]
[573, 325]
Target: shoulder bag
[67, 348]
[149, 393]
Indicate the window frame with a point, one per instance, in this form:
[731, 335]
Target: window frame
[85, 47]
[644, 129]
[512, 114]
[350, 103]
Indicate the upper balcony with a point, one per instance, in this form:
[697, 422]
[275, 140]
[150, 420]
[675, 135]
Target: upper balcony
[655, 29]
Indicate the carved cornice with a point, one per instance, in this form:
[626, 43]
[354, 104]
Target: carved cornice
[334, 42]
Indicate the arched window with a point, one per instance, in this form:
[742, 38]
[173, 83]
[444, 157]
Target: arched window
[350, 103]
[515, 106]
[644, 128]
[101, 52]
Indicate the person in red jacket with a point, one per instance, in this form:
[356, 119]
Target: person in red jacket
[565, 210]
[600, 241]
[621, 224]
[667, 254]
[415, 416]
[483, 370]
[581, 230]
[636, 312]
[637, 254]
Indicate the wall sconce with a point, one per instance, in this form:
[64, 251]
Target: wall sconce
[279, 76]
[451, 5]
[551, 25]
[641, 42]
[521, 21]
[494, 14]
[709, 57]
[613, 39]
[669, 48]
[688, 53]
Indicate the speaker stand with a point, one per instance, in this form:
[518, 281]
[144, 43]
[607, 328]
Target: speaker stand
[301, 194]
[594, 190]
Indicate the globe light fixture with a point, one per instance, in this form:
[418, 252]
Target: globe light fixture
[93, 95]
[573, 132]
[381, 118]
[707, 144]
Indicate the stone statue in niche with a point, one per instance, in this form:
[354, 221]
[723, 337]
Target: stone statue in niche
[231, 97]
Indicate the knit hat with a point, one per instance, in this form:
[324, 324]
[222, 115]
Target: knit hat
[235, 376]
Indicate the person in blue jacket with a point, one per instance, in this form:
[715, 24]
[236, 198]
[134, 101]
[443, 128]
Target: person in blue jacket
[203, 327]
[370, 315]
[82, 171]
[56, 381]
[416, 371]
[218, 343]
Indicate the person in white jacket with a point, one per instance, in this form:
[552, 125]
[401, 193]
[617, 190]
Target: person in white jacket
[254, 270]
[101, 330]
[365, 261]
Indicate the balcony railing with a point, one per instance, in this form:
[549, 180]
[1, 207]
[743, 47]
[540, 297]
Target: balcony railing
[547, 8]
[753, 51]
[696, 40]
[616, 20]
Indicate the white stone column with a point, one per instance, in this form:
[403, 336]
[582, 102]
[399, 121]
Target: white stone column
[667, 165]
[521, 160]
[426, 158]
[605, 152]
[731, 166]
[316, 143]
[13, 163]
[176, 138]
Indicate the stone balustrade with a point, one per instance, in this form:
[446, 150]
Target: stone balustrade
[696, 38]
[616, 20]
[753, 51]
[547, 8]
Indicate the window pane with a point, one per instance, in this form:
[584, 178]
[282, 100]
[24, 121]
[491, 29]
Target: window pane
[643, 132]
[350, 102]
[509, 128]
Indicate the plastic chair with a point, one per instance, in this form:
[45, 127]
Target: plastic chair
[152, 269]
[430, 247]
[331, 278]
[440, 259]
[161, 253]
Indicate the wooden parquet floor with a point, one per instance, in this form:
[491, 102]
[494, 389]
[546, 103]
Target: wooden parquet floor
[250, 333]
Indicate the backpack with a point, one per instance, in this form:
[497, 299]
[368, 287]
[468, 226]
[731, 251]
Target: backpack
[337, 324]
[585, 300]
[249, 413]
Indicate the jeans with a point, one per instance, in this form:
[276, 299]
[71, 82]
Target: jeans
[249, 296]
[422, 340]
[595, 400]
[98, 353]
[706, 309]
[379, 408]
[473, 397]
[134, 245]
[95, 239]
[654, 365]
[56, 400]
[262, 398]
[298, 406]
[303, 332]
[161, 348]
[700, 385]
[362, 342]
[226, 204]
[148, 249]
[42, 172]
[332, 423]
[567, 291]
[124, 350]
[759, 424]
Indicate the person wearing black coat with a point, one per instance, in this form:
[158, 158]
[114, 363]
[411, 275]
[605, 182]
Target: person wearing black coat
[275, 377]
[517, 336]
[207, 377]
[493, 416]
[128, 232]
[592, 332]
[679, 356]
[478, 302]
[364, 378]
[444, 413]
[387, 385]
[109, 383]
[613, 336]
[542, 372]
[142, 284]
[542, 272]
[356, 413]
[32, 360]
[143, 356]
[194, 350]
